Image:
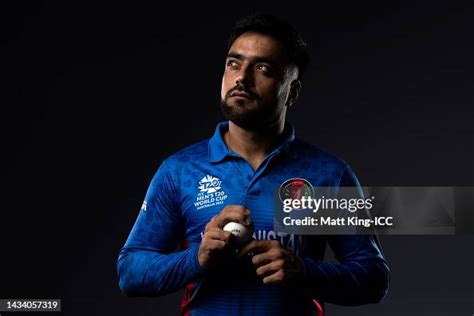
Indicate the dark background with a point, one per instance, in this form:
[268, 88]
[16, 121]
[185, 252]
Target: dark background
[94, 96]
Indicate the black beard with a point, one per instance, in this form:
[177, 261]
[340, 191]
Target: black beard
[253, 120]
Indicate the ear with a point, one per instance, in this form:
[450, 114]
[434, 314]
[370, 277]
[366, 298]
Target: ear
[295, 89]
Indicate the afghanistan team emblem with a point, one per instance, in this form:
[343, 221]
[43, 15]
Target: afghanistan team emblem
[296, 188]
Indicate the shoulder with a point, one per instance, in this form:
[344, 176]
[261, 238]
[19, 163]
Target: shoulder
[178, 166]
[197, 152]
[326, 169]
[311, 153]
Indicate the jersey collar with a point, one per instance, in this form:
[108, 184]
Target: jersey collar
[218, 149]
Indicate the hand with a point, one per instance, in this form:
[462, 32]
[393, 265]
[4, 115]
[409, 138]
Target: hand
[274, 263]
[217, 243]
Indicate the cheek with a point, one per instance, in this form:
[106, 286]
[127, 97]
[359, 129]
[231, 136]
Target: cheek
[283, 92]
[226, 84]
[222, 88]
[271, 89]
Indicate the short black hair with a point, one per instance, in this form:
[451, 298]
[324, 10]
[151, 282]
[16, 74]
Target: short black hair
[281, 30]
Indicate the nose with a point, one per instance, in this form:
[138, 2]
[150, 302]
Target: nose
[245, 77]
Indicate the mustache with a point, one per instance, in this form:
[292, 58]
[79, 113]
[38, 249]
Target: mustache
[241, 88]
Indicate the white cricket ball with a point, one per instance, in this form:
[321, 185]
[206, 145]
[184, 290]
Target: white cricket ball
[242, 233]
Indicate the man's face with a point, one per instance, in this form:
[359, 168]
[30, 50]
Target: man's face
[256, 82]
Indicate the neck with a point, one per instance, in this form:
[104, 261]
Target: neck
[254, 146]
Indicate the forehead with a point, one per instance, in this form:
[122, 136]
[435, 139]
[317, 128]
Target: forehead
[253, 44]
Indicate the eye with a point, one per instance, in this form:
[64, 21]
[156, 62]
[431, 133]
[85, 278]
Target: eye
[263, 68]
[231, 64]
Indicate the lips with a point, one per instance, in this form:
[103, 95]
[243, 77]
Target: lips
[241, 95]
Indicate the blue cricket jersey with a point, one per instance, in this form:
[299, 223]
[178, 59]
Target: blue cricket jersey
[196, 183]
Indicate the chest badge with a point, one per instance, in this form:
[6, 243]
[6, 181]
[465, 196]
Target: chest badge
[210, 192]
[296, 188]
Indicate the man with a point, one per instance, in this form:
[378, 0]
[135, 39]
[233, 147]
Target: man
[231, 178]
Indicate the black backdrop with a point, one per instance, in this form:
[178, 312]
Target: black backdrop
[94, 96]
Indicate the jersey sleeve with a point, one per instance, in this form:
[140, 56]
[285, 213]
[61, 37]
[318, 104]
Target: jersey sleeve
[147, 265]
[362, 275]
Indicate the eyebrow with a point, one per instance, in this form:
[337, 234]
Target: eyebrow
[256, 59]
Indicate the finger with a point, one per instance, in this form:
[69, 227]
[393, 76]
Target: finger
[218, 234]
[215, 245]
[261, 259]
[270, 268]
[211, 224]
[235, 208]
[254, 245]
[232, 216]
[276, 278]
[230, 213]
